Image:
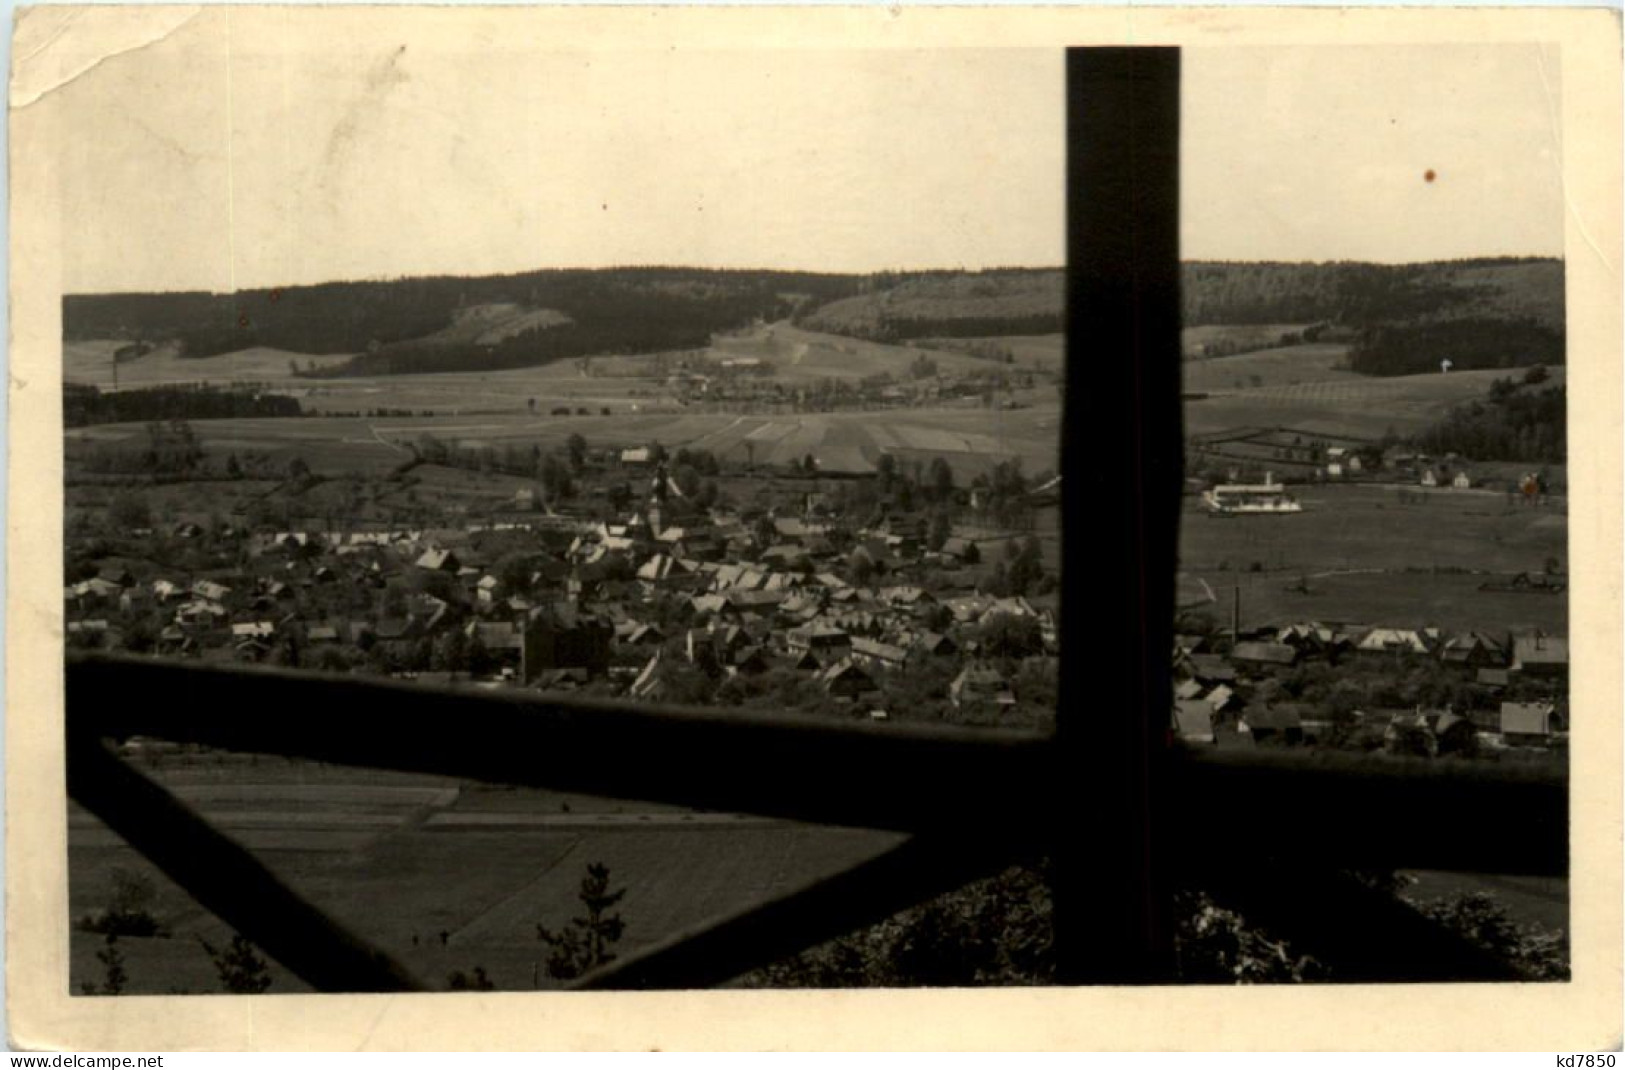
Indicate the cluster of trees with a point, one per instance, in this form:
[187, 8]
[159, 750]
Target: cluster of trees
[128, 914]
[1021, 572]
[985, 348]
[1513, 424]
[1477, 342]
[171, 448]
[995, 931]
[908, 485]
[556, 471]
[84, 405]
[1003, 494]
[1252, 339]
[1000, 931]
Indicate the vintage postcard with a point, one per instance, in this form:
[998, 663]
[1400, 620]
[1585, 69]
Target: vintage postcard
[546, 528]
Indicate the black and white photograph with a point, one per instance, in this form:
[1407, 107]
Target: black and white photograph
[549, 512]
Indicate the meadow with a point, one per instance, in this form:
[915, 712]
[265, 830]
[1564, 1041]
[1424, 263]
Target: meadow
[970, 439]
[1370, 557]
[1285, 366]
[1360, 406]
[401, 860]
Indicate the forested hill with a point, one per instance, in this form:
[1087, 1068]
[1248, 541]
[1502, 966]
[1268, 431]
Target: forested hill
[1399, 319]
[1360, 295]
[422, 324]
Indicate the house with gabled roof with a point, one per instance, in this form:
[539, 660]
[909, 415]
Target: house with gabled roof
[1526, 723]
[845, 679]
[745, 661]
[1208, 668]
[658, 567]
[874, 653]
[562, 635]
[1263, 656]
[1221, 699]
[438, 560]
[1540, 655]
[824, 641]
[1473, 651]
[1193, 721]
[1390, 642]
[980, 685]
[211, 591]
[1308, 637]
[750, 602]
[1282, 722]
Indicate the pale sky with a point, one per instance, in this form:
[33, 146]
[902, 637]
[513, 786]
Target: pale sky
[1321, 153]
[233, 154]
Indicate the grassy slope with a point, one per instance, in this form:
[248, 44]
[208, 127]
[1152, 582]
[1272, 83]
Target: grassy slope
[91, 362]
[489, 324]
[1354, 405]
[797, 354]
[1289, 365]
[1037, 292]
[403, 875]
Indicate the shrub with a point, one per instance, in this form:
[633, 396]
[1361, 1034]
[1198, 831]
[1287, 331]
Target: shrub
[241, 971]
[126, 913]
[475, 981]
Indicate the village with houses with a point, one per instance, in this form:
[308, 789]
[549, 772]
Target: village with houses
[1419, 692]
[795, 607]
[889, 596]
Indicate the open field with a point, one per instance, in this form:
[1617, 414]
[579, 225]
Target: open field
[801, 355]
[92, 362]
[1288, 366]
[1365, 407]
[970, 439]
[1042, 352]
[1369, 558]
[620, 382]
[396, 858]
[1393, 599]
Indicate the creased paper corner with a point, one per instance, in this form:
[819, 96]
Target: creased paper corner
[53, 45]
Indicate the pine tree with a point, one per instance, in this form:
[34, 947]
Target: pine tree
[583, 945]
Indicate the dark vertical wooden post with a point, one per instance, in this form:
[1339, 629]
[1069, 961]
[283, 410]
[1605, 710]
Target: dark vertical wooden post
[1121, 456]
